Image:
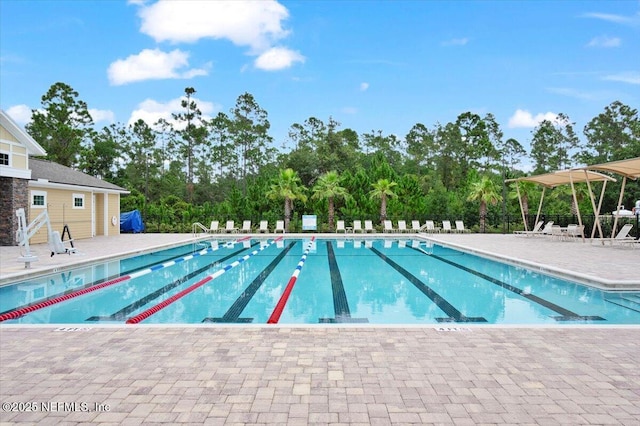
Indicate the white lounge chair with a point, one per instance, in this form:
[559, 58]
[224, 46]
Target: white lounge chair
[460, 227]
[446, 226]
[534, 231]
[388, 226]
[368, 226]
[264, 226]
[214, 228]
[402, 226]
[279, 226]
[547, 229]
[623, 236]
[415, 225]
[430, 227]
[340, 226]
[246, 226]
[231, 227]
[357, 226]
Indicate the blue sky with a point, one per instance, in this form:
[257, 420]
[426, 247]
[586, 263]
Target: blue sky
[371, 65]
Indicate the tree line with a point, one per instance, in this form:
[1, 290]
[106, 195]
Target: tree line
[195, 169]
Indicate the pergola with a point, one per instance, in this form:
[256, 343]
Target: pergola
[627, 169]
[563, 177]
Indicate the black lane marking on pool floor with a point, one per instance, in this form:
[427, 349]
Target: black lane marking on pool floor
[233, 313]
[93, 283]
[340, 303]
[565, 314]
[624, 302]
[454, 315]
[124, 312]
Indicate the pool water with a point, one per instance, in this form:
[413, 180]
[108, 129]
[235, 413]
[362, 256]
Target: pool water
[311, 281]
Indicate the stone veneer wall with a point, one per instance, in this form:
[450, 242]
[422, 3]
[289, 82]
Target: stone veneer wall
[14, 193]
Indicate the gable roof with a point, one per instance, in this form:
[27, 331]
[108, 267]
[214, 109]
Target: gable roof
[57, 173]
[33, 147]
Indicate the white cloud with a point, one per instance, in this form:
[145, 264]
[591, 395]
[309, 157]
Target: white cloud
[456, 42]
[523, 118]
[277, 58]
[150, 111]
[624, 77]
[617, 19]
[152, 65]
[573, 93]
[245, 23]
[364, 86]
[604, 41]
[21, 114]
[102, 115]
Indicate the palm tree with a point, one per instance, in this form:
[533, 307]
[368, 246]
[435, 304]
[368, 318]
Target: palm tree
[288, 186]
[382, 189]
[328, 186]
[486, 191]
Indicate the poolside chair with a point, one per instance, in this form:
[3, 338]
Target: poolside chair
[575, 231]
[264, 226]
[460, 227]
[231, 227]
[368, 226]
[357, 226]
[534, 231]
[547, 229]
[402, 226]
[388, 226]
[340, 226]
[279, 226]
[558, 233]
[446, 226]
[623, 237]
[430, 227]
[214, 228]
[415, 226]
[246, 226]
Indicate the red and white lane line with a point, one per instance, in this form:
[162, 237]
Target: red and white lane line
[275, 315]
[146, 314]
[23, 311]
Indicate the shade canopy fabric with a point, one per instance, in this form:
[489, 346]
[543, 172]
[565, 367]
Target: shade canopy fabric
[564, 177]
[629, 168]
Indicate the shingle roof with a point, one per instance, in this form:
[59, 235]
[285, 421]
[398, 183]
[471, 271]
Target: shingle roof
[57, 173]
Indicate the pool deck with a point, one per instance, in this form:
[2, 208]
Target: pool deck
[338, 374]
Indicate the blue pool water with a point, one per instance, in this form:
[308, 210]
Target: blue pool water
[338, 281]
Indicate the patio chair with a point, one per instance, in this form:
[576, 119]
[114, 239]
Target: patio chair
[279, 226]
[246, 226]
[340, 226]
[388, 226]
[460, 227]
[264, 226]
[368, 226]
[546, 230]
[430, 227]
[558, 233]
[214, 228]
[402, 226]
[446, 226]
[575, 231]
[415, 226]
[231, 227]
[623, 237]
[357, 226]
[534, 231]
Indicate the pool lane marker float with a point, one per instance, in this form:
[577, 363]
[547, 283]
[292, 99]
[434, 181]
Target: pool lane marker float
[28, 309]
[275, 315]
[146, 314]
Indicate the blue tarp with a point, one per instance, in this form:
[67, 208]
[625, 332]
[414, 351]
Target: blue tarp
[131, 222]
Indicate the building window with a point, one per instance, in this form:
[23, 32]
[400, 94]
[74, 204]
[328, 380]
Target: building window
[38, 199]
[4, 159]
[78, 201]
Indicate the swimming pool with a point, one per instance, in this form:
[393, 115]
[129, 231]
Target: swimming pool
[310, 281]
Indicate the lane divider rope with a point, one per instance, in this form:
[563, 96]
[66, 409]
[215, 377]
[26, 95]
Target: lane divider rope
[275, 315]
[23, 311]
[146, 314]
